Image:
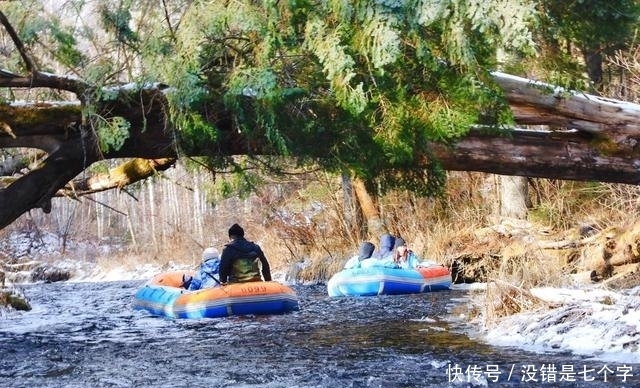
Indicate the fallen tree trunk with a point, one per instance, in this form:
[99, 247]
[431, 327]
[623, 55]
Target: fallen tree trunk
[613, 126]
[541, 154]
[597, 139]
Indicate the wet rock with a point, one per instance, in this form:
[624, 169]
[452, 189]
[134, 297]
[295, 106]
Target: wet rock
[470, 268]
[10, 299]
[47, 273]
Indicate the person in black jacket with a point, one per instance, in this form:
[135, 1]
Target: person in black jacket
[241, 259]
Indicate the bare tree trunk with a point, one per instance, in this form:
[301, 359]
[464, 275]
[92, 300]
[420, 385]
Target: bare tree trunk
[168, 210]
[514, 197]
[131, 215]
[350, 206]
[67, 225]
[152, 212]
[174, 205]
[375, 225]
[198, 215]
[99, 217]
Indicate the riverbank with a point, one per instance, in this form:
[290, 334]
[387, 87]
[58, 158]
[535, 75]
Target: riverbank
[596, 323]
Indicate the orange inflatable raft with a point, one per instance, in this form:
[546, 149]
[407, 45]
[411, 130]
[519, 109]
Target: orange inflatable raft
[163, 295]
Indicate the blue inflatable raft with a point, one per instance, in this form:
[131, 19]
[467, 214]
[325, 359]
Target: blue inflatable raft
[389, 281]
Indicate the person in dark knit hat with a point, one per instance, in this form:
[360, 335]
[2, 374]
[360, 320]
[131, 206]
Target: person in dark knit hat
[365, 252]
[399, 242]
[242, 260]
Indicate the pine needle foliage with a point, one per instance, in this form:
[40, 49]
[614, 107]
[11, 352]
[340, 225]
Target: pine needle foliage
[576, 38]
[363, 86]
[372, 82]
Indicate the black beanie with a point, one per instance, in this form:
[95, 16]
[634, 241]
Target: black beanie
[236, 230]
[366, 250]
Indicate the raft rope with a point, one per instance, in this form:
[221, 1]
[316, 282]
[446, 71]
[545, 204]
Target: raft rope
[213, 277]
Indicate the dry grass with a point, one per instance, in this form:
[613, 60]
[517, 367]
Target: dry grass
[563, 205]
[300, 248]
[530, 270]
[508, 290]
[503, 299]
[177, 250]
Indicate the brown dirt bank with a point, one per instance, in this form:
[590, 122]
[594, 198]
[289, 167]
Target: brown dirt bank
[528, 255]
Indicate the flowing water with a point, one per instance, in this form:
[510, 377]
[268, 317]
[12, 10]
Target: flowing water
[88, 335]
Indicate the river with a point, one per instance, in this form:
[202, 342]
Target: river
[88, 335]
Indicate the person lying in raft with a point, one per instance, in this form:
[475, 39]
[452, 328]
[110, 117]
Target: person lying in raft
[384, 257]
[207, 274]
[365, 253]
[387, 242]
[404, 257]
[242, 260]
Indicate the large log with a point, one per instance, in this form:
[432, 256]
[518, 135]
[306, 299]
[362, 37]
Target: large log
[541, 154]
[613, 124]
[592, 138]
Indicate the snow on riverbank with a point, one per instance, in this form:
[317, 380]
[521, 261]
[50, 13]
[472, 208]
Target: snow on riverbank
[597, 323]
[142, 272]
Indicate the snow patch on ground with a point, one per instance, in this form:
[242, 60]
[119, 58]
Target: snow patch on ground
[597, 323]
[44, 246]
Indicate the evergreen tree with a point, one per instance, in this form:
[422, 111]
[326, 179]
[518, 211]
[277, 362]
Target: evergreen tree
[358, 86]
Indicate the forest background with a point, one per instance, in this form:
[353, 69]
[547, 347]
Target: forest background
[308, 219]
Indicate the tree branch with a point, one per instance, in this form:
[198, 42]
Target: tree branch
[18, 43]
[35, 189]
[118, 177]
[37, 79]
